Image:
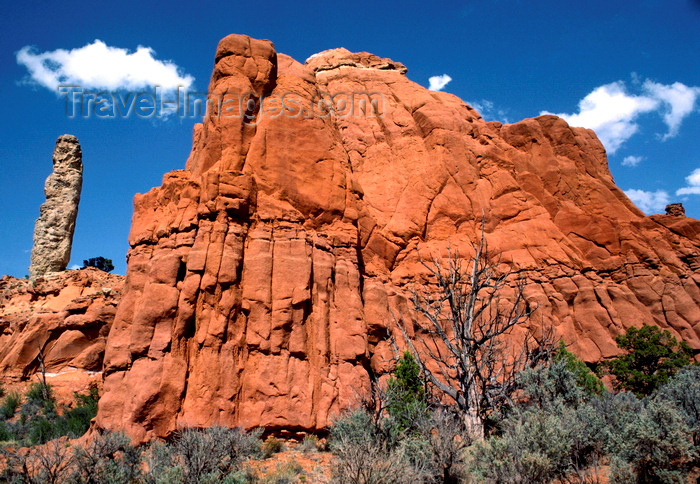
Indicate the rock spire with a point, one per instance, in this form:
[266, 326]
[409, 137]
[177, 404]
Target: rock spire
[53, 232]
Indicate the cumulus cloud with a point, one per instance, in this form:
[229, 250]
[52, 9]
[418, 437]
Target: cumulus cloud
[693, 182]
[678, 102]
[613, 112]
[632, 160]
[102, 67]
[438, 83]
[649, 202]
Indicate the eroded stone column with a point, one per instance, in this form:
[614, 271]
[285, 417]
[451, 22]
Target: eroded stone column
[53, 232]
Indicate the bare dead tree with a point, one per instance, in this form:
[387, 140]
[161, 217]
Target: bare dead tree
[45, 392]
[463, 340]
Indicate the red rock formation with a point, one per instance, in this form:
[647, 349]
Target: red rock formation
[66, 314]
[260, 278]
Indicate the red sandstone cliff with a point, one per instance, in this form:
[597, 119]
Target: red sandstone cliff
[66, 315]
[260, 277]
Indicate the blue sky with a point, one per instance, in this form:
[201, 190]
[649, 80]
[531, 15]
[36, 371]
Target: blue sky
[631, 70]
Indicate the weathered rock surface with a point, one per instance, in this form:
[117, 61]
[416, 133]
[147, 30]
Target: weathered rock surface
[53, 232]
[675, 210]
[262, 279]
[67, 315]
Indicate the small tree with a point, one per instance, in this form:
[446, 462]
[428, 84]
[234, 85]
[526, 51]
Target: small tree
[405, 392]
[100, 263]
[585, 378]
[652, 357]
[465, 328]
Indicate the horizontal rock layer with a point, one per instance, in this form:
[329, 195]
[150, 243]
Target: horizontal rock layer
[264, 278]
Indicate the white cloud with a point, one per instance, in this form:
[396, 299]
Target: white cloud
[488, 111]
[74, 267]
[482, 106]
[679, 102]
[632, 160]
[613, 113]
[438, 83]
[693, 181]
[102, 67]
[649, 202]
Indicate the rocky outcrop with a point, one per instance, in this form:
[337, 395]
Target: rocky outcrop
[675, 210]
[65, 315]
[263, 280]
[53, 232]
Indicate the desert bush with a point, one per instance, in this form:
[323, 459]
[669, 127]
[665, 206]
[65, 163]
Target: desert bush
[683, 391]
[41, 422]
[650, 442]
[235, 446]
[533, 448]
[49, 464]
[161, 465]
[555, 432]
[108, 458]
[202, 456]
[551, 385]
[39, 393]
[447, 438]
[368, 452]
[285, 473]
[9, 405]
[271, 446]
[310, 444]
[198, 453]
[76, 420]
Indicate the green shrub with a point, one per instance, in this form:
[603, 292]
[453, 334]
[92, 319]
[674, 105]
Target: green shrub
[40, 421]
[76, 421]
[405, 393]
[5, 433]
[585, 378]
[41, 430]
[9, 405]
[39, 393]
[653, 356]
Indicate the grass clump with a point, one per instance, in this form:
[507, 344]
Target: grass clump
[272, 446]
